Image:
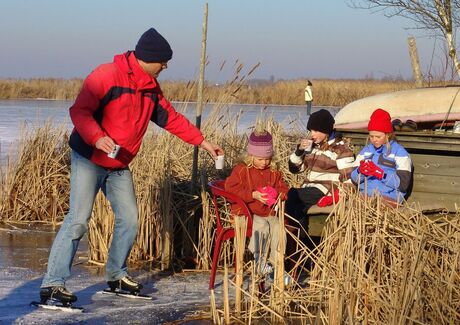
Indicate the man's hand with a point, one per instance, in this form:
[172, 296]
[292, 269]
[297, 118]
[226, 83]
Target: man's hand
[105, 144]
[213, 149]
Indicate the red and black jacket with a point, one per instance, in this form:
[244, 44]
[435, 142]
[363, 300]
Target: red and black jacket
[118, 100]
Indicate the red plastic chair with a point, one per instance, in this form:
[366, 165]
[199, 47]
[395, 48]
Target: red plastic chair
[224, 233]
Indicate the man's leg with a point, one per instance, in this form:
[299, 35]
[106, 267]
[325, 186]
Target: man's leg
[119, 189]
[84, 183]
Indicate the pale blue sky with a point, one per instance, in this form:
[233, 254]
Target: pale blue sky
[290, 38]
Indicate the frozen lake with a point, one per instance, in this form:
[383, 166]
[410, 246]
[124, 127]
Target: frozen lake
[23, 257]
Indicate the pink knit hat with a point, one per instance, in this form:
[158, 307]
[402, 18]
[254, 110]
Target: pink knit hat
[260, 144]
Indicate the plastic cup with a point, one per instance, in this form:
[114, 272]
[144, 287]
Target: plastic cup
[219, 162]
[310, 145]
[113, 154]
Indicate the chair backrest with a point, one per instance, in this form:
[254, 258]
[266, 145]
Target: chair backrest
[218, 190]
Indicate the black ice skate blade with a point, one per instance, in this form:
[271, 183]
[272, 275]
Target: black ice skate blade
[126, 294]
[57, 306]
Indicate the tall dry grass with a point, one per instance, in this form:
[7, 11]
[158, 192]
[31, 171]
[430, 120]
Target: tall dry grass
[63, 89]
[35, 182]
[375, 265]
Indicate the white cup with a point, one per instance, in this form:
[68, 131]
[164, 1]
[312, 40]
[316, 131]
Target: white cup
[220, 162]
[309, 146]
[114, 152]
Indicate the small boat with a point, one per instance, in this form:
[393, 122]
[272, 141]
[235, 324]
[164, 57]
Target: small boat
[425, 106]
[434, 148]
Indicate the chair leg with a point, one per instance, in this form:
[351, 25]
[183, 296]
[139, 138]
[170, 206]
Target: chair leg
[215, 260]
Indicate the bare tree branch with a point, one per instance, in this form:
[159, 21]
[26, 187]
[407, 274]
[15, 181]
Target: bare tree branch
[436, 16]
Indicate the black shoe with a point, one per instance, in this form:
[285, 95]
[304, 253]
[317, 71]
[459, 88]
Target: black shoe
[397, 124]
[125, 284]
[57, 293]
[409, 126]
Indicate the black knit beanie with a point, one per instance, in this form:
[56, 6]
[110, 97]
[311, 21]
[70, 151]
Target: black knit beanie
[321, 121]
[152, 47]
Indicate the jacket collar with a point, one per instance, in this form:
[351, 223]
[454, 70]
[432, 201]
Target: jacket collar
[127, 62]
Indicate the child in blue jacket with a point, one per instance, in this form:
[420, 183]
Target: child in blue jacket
[383, 166]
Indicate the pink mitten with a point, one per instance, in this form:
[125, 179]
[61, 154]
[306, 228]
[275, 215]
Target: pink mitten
[271, 194]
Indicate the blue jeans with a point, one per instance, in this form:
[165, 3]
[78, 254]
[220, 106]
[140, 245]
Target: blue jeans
[85, 181]
[308, 107]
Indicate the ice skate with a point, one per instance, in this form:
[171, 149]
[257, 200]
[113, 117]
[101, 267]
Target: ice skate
[126, 287]
[126, 284]
[57, 298]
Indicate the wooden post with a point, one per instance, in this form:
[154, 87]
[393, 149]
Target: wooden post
[417, 73]
[199, 103]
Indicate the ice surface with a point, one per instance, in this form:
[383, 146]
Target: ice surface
[176, 296]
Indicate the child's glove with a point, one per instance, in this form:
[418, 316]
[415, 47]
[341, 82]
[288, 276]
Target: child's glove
[375, 170]
[368, 168]
[328, 199]
[271, 194]
[364, 167]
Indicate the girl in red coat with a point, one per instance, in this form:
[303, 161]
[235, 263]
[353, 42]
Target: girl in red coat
[259, 183]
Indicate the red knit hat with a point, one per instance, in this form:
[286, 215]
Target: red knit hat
[380, 121]
[260, 144]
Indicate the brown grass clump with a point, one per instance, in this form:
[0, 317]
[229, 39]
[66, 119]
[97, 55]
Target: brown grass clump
[35, 184]
[375, 265]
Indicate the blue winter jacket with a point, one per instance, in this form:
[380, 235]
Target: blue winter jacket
[396, 165]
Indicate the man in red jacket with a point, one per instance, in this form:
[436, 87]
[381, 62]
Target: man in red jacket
[110, 116]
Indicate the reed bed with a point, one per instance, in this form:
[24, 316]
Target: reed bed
[44, 88]
[375, 265]
[327, 92]
[35, 181]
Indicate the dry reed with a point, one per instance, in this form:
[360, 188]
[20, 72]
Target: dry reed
[327, 92]
[375, 265]
[46, 88]
[35, 181]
